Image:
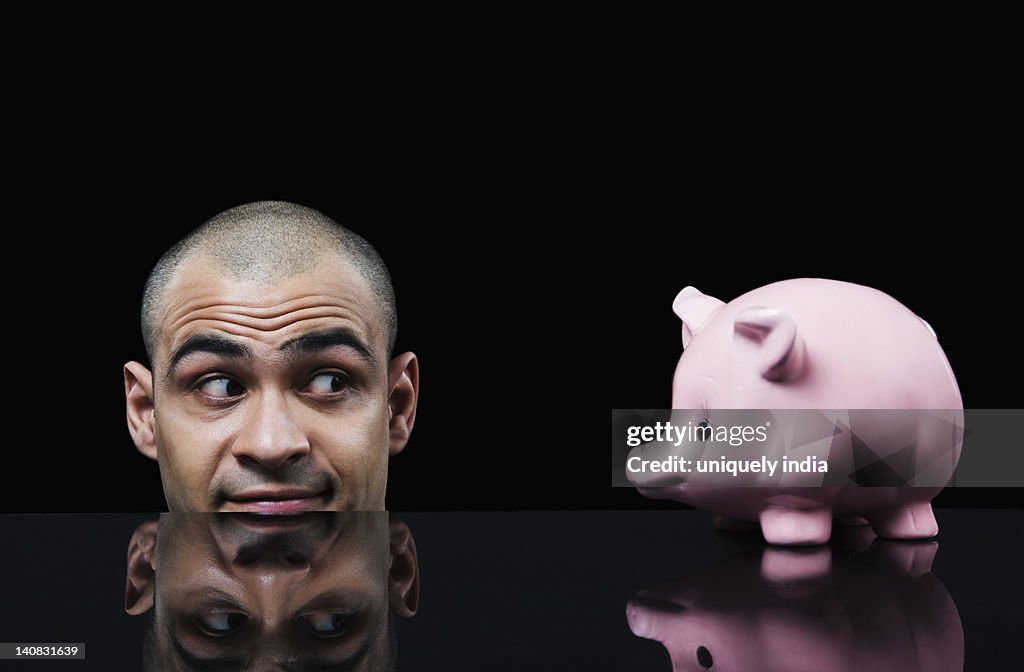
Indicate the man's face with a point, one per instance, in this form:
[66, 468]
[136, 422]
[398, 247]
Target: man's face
[271, 397]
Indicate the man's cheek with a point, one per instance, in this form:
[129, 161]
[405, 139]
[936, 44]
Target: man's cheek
[187, 465]
[357, 452]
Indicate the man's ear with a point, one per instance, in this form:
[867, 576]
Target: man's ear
[139, 586]
[404, 575]
[404, 388]
[138, 391]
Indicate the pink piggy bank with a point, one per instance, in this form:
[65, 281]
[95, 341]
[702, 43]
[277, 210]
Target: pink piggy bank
[815, 344]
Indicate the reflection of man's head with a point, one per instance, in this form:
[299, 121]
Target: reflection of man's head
[272, 386]
[240, 592]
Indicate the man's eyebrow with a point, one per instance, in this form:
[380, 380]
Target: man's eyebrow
[207, 343]
[218, 664]
[322, 340]
[232, 663]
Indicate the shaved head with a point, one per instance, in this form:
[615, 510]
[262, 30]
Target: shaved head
[267, 242]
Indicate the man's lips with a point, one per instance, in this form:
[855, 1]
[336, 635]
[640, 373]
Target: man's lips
[275, 501]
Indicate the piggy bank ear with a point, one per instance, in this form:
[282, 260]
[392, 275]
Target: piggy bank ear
[780, 348]
[694, 309]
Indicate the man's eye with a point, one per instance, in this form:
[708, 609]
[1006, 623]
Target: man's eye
[326, 383]
[221, 387]
[327, 624]
[220, 623]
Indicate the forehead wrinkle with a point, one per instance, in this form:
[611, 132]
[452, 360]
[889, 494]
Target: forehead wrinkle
[265, 308]
[267, 324]
[238, 305]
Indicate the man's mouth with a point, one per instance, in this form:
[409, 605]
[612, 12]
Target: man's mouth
[276, 501]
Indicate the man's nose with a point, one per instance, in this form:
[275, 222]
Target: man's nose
[271, 436]
[272, 553]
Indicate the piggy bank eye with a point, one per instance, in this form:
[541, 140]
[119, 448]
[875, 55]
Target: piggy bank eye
[704, 658]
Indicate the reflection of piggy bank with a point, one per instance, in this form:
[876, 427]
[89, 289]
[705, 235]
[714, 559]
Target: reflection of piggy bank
[793, 611]
[816, 344]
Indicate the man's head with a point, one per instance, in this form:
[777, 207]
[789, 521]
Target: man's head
[272, 386]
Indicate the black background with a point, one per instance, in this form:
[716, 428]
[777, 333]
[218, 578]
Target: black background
[540, 199]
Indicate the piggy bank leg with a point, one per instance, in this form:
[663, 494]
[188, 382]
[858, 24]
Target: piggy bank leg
[914, 520]
[796, 526]
[787, 565]
[910, 558]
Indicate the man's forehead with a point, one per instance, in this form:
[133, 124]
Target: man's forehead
[203, 295]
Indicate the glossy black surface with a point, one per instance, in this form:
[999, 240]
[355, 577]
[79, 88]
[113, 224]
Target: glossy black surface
[503, 591]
